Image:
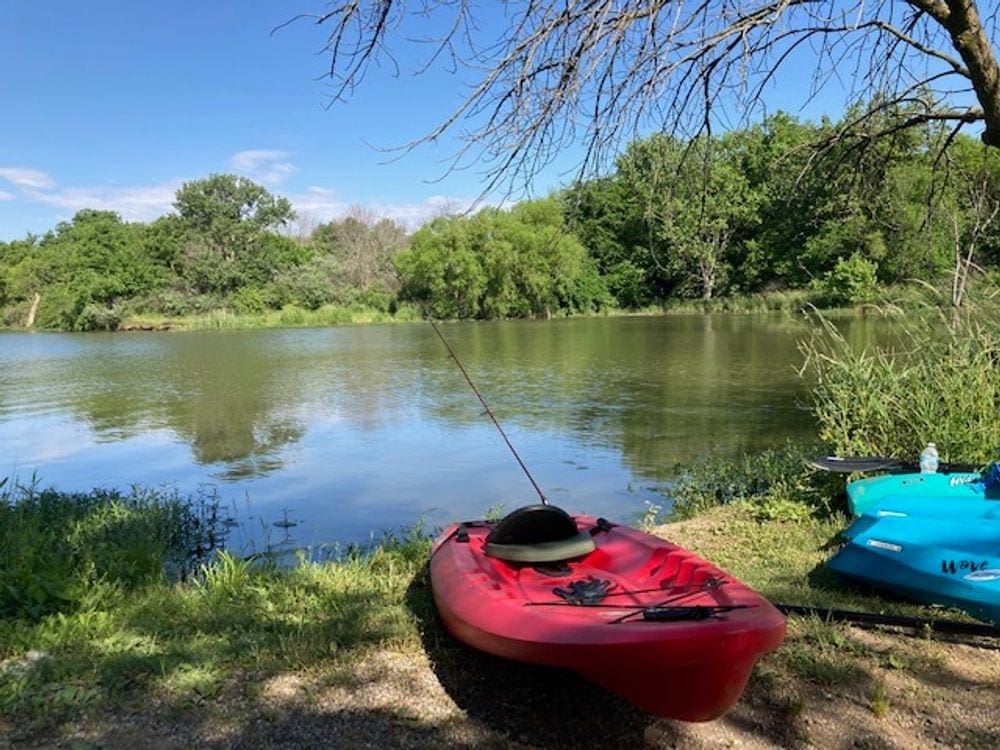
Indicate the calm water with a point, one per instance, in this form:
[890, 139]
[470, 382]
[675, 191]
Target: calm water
[360, 429]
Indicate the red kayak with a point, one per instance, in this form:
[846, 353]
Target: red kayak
[648, 620]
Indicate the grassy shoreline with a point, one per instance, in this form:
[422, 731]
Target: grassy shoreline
[295, 317]
[207, 656]
[885, 301]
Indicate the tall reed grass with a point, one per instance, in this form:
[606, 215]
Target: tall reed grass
[936, 379]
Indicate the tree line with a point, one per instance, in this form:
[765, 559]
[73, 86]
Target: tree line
[751, 210]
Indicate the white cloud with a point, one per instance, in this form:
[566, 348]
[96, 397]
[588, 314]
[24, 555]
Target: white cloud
[136, 203]
[27, 179]
[267, 166]
[323, 204]
[147, 202]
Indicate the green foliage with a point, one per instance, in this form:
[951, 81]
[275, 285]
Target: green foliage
[97, 318]
[249, 300]
[230, 212]
[849, 282]
[55, 547]
[226, 221]
[626, 282]
[935, 380]
[776, 483]
[698, 201]
[81, 269]
[126, 633]
[518, 263]
[754, 218]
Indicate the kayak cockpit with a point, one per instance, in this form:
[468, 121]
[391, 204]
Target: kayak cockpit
[538, 534]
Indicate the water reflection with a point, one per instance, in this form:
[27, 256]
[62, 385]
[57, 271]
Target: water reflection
[365, 428]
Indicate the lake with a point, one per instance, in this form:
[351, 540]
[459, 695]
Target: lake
[354, 430]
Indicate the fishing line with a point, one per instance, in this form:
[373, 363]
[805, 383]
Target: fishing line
[489, 412]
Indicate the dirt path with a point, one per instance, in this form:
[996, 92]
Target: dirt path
[403, 700]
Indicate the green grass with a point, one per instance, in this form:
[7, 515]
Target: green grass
[181, 643]
[59, 549]
[288, 317]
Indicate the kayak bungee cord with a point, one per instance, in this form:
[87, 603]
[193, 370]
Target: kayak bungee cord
[489, 412]
[688, 589]
[581, 596]
[709, 585]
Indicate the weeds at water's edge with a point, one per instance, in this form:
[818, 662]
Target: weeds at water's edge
[91, 619]
[56, 547]
[777, 484]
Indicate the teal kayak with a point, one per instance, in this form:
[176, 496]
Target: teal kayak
[863, 494]
[959, 508]
[950, 561]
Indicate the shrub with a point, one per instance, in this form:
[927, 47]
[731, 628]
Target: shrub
[249, 300]
[95, 317]
[849, 282]
[777, 482]
[627, 283]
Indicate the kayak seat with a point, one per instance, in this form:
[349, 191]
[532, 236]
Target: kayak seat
[538, 533]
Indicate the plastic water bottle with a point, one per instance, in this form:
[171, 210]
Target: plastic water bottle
[929, 459]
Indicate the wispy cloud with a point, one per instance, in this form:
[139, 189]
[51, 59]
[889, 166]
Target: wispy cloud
[146, 202]
[27, 179]
[323, 204]
[135, 203]
[264, 165]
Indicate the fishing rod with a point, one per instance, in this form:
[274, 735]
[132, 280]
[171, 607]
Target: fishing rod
[489, 412]
[899, 621]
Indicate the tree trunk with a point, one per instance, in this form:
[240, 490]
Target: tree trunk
[33, 310]
[707, 281]
[971, 40]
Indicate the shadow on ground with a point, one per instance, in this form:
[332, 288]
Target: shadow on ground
[527, 704]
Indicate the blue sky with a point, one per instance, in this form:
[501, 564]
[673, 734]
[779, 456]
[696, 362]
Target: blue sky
[113, 104]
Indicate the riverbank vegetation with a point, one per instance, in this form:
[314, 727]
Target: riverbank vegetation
[108, 596]
[750, 220]
[201, 659]
[935, 379]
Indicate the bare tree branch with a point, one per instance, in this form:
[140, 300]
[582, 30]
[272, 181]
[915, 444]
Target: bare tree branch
[552, 73]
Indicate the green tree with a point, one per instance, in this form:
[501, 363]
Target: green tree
[516, 263]
[698, 201]
[224, 218]
[441, 271]
[82, 269]
[230, 212]
[609, 217]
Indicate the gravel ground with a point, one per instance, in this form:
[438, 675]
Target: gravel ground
[460, 698]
